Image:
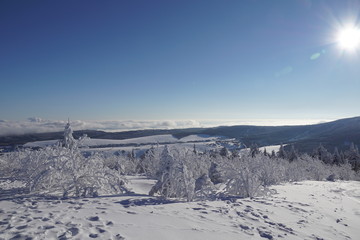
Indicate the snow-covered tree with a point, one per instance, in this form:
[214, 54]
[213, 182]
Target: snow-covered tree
[242, 178]
[282, 153]
[265, 152]
[353, 156]
[293, 155]
[273, 154]
[337, 158]
[68, 140]
[175, 179]
[322, 154]
[254, 150]
[151, 162]
[224, 152]
[194, 149]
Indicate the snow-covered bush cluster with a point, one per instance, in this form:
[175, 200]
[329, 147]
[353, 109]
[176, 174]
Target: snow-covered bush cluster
[175, 174]
[187, 174]
[62, 169]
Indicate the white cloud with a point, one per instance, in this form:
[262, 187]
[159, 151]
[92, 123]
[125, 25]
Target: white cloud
[38, 125]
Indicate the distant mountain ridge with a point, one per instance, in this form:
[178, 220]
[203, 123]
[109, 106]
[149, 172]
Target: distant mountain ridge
[339, 133]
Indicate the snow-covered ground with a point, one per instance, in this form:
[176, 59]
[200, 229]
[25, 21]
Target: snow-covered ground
[305, 210]
[166, 138]
[271, 148]
[140, 145]
[268, 149]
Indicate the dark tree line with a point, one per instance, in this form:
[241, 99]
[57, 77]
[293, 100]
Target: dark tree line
[351, 155]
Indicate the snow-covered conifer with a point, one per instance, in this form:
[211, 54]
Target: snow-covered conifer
[254, 150]
[337, 159]
[282, 153]
[224, 152]
[293, 155]
[322, 154]
[68, 140]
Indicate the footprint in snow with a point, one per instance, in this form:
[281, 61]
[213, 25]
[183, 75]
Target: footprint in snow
[302, 221]
[94, 219]
[284, 228]
[101, 208]
[264, 233]
[19, 236]
[100, 230]
[255, 215]
[74, 231]
[45, 219]
[118, 237]
[47, 227]
[21, 227]
[3, 223]
[129, 212]
[244, 227]
[93, 235]
[204, 205]
[197, 209]
[270, 223]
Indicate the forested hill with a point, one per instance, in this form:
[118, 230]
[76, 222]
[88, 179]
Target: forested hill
[338, 133]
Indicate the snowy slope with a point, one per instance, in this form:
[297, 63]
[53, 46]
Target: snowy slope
[167, 138]
[306, 210]
[41, 143]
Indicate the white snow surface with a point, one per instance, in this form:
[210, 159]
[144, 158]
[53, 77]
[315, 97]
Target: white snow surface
[271, 148]
[304, 210]
[166, 138]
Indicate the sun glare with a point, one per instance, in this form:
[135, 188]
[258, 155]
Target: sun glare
[349, 38]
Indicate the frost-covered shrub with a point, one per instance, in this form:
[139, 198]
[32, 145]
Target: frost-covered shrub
[248, 176]
[204, 187]
[175, 179]
[272, 171]
[344, 172]
[58, 169]
[63, 169]
[3, 167]
[309, 168]
[187, 174]
[242, 177]
[294, 171]
[315, 168]
[9, 165]
[124, 164]
[151, 161]
[177, 171]
[215, 174]
[115, 162]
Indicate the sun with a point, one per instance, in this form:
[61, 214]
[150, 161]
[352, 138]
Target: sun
[348, 38]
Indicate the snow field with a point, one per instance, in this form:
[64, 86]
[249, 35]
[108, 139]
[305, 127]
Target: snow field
[166, 138]
[304, 210]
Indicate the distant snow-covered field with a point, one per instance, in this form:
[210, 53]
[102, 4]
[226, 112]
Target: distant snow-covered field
[166, 138]
[304, 210]
[139, 145]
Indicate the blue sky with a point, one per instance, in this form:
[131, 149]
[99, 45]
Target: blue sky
[174, 60]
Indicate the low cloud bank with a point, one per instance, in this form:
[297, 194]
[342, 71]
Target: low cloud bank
[38, 125]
